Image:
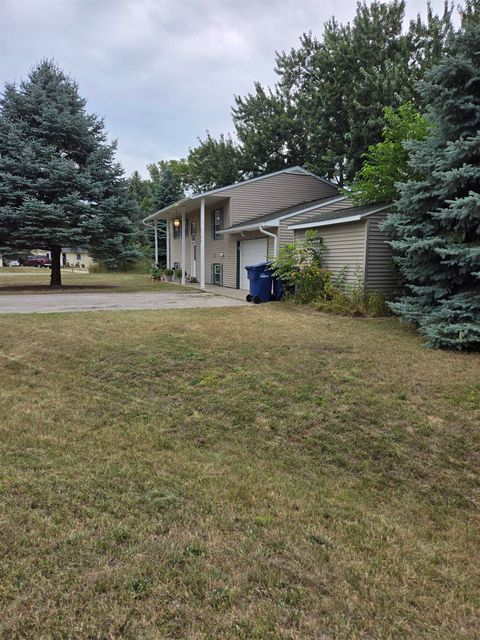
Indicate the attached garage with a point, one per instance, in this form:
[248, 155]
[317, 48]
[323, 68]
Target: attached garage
[251, 252]
[355, 245]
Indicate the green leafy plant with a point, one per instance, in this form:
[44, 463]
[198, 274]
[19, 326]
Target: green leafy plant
[299, 265]
[352, 300]
[157, 273]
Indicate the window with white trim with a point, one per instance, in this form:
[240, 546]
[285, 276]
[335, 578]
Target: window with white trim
[217, 224]
[217, 273]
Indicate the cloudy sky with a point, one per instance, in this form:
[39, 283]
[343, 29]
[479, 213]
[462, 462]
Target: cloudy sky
[161, 72]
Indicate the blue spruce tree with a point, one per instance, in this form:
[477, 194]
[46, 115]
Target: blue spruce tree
[436, 228]
[59, 182]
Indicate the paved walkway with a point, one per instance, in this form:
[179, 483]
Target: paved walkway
[239, 294]
[58, 302]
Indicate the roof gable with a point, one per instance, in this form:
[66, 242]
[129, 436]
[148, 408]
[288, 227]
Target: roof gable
[224, 191]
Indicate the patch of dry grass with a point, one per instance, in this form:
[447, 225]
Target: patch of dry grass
[261, 473]
[30, 280]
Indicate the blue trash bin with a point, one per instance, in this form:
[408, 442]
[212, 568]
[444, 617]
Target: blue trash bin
[264, 287]
[260, 280]
[278, 289]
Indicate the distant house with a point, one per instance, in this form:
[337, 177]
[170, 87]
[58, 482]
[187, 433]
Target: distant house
[74, 257]
[214, 235]
[70, 257]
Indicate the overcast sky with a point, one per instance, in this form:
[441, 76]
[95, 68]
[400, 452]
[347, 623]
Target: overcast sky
[161, 72]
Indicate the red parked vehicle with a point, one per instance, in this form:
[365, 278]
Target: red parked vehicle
[38, 261]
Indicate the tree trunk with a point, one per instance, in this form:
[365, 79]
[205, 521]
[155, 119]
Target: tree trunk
[56, 274]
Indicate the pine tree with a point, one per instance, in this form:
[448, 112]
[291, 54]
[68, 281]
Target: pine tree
[59, 182]
[168, 188]
[436, 229]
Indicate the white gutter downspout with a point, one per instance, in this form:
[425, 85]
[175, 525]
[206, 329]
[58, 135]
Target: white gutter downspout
[275, 239]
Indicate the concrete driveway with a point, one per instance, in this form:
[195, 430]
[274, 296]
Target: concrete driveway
[58, 302]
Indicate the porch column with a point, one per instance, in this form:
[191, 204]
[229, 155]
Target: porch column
[156, 242]
[183, 246]
[202, 243]
[167, 232]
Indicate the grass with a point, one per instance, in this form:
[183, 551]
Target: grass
[31, 280]
[261, 473]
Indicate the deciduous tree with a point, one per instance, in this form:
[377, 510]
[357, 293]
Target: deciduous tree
[386, 163]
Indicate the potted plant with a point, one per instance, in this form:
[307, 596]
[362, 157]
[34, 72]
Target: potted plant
[157, 273]
[178, 274]
[168, 274]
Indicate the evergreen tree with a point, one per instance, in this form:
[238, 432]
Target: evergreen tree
[436, 230]
[141, 192]
[168, 188]
[386, 163]
[59, 182]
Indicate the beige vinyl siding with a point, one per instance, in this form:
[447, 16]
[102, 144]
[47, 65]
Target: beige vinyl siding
[379, 274]
[273, 193]
[344, 248]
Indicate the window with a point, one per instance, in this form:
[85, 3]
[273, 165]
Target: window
[217, 224]
[193, 229]
[217, 274]
[79, 257]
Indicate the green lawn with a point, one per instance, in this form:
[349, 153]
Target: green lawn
[31, 280]
[263, 473]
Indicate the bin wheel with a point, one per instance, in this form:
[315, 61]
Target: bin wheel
[257, 300]
[249, 297]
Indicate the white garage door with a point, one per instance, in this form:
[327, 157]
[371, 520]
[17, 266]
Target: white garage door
[251, 252]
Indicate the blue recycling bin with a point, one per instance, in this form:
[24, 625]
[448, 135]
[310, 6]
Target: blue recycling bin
[278, 289]
[260, 278]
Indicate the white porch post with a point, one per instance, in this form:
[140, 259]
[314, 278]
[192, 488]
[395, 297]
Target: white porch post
[202, 243]
[167, 231]
[183, 246]
[156, 243]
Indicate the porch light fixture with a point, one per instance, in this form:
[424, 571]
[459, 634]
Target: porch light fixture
[176, 223]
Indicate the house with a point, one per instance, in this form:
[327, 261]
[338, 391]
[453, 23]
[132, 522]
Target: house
[214, 235]
[75, 257]
[69, 257]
